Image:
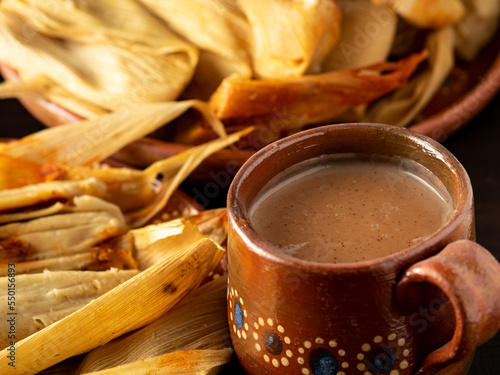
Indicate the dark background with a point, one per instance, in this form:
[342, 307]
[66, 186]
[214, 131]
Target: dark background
[477, 146]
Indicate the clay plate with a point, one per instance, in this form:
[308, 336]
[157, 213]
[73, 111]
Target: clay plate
[469, 88]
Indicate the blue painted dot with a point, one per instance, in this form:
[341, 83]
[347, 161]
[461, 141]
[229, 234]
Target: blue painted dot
[272, 342]
[381, 360]
[239, 319]
[323, 362]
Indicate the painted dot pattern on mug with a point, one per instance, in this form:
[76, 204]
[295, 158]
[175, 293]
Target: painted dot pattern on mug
[318, 355]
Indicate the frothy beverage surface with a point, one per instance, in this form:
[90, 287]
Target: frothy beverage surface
[347, 209]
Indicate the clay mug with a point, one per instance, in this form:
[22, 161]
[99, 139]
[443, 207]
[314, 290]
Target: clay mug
[423, 310]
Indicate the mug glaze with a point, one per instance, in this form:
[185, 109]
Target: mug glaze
[423, 310]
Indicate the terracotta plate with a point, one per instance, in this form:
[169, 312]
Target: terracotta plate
[468, 90]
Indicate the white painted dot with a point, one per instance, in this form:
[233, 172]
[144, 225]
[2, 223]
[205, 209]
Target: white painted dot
[391, 337]
[236, 293]
[270, 322]
[361, 366]
[256, 325]
[244, 334]
[231, 315]
[406, 352]
[289, 353]
[234, 328]
[394, 372]
[341, 352]
[301, 350]
[275, 362]
[319, 340]
[307, 344]
[241, 301]
[232, 291]
[230, 304]
[401, 342]
[332, 343]
[281, 329]
[261, 322]
[284, 361]
[361, 356]
[287, 340]
[341, 373]
[246, 326]
[305, 371]
[345, 365]
[377, 339]
[404, 364]
[257, 346]
[300, 360]
[255, 335]
[365, 347]
[266, 358]
[239, 334]
[245, 313]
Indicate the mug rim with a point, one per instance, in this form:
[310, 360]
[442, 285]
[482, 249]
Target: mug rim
[241, 223]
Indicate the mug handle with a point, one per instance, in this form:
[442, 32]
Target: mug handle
[469, 275]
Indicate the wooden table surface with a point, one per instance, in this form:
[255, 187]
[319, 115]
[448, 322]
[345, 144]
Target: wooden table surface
[477, 146]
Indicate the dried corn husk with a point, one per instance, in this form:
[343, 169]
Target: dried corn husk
[477, 27]
[98, 56]
[34, 250]
[295, 102]
[403, 105]
[189, 362]
[366, 36]
[197, 323]
[291, 37]
[44, 298]
[96, 139]
[427, 13]
[225, 44]
[135, 192]
[132, 305]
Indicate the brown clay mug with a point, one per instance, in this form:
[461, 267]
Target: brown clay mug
[423, 310]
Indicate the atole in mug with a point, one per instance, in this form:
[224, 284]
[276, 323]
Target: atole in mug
[421, 310]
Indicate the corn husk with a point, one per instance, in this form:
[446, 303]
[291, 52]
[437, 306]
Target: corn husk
[291, 37]
[403, 105]
[94, 140]
[44, 298]
[295, 102]
[130, 306]
[197, 323]
[366, 36]
[92, 53]
[190, 362]
[424, 14]
[477, 27]
[225, 45]
[37, 246]
[136, 192]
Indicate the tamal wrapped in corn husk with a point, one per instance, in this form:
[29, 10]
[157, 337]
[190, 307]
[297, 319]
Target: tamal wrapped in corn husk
[433, 14]
[366, 36]
[402, 106]
[44, 298]
[219, 29]
[130, 306]
[135, 192]
[96, 56]
[294, 102]
[199, 322]
[188, 362]
[291, 38]
[477, 27]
